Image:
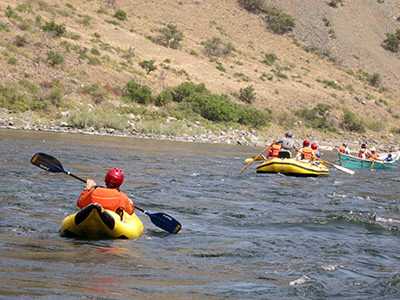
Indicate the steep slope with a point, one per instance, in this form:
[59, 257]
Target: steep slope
[303, 75]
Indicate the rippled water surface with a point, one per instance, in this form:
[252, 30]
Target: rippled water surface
[244, 236]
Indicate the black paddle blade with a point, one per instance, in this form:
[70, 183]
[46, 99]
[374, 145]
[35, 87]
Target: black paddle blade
[47, 162]
[165, 222]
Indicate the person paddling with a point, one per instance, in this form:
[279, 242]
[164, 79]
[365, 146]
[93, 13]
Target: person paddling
[109, 197]
[306, 153]
[287, 144]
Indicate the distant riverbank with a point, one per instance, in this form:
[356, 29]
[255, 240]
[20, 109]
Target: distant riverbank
[26, 121]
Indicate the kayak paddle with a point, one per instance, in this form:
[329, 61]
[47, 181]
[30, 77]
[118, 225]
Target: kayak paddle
[51, 164]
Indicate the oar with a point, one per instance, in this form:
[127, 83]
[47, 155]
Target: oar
[51, 164]
[253, 159]
[348, 171]
[372, 165]
[258, 155]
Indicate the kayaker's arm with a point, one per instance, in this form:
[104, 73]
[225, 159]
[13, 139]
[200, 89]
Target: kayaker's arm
[90, 184]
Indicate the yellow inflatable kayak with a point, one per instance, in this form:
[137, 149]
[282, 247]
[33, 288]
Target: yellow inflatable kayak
[292, 167]
[94, 222]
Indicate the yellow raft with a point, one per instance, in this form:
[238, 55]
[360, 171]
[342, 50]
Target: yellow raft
[292, 167]
[95, 222]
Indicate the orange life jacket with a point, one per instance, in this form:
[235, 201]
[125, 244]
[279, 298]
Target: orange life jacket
[361, 152]
[307, 152]
[341, 149]
[316, 152]
[374, 156]
[275, 149]
[108, 198]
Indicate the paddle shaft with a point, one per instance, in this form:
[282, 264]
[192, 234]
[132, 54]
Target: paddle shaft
[258, 155]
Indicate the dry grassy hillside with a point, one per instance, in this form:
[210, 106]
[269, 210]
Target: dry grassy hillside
[359, 26]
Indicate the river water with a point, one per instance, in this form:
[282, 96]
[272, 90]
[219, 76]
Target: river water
[244, 235]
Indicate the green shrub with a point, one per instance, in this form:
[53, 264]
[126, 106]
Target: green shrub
[186, 90]
[20, 41]
[12, 99]
[57, 29]
[221, 68]
[331, 83]
[374, 79]
[392, 41]
[247, 94]
[54, 58]
[148, 65]
[170, 37]
[120, 14]
[214, 108]
[94, 61]
[254, 6]
[317, 117]
[163, 98]
[215, 47]
[135, 92]
[278, 21]
[269, 59]
[334, 3]
[351, 123]
[253, 117]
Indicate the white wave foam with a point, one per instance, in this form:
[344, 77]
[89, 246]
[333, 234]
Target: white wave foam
[302, 280]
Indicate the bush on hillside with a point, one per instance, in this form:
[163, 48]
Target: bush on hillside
[170, 37]
[253, 117]
[215, 47]
[269, 59]
[163, 98]
[186, 90]
[278, 21]
[334, 3]
[120, 14]
[11, 98]
[392, 41]
[135, 92]
[214, 108]
[57, 29]
[350, 122]
[317, 117]
[148, 65]
[374, 79]
[247, 94]
[254, 6]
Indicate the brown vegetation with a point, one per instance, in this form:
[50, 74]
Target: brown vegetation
[328, 58]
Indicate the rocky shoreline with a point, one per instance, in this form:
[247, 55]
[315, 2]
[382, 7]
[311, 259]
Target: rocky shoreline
[230, 137]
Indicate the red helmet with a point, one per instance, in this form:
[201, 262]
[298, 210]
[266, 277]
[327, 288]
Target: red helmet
[314, 146]
[114, 178]
[306, 143]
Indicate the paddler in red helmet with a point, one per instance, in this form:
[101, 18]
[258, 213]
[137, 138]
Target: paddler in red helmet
[109, 197]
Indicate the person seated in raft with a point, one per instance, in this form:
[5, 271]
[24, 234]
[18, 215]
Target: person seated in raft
[317, 153]
[373, 154]
[364, 152]
[344, 149]
[109, 197]
[287, 144]
[306, 153]
[389, 158]
[274, 150]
